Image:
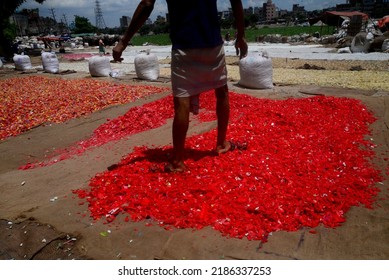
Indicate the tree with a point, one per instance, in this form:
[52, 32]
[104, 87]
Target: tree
[226, 23]
[82, 25]
[145, 29]
[253, 19]
[161, 28]
[7, 9]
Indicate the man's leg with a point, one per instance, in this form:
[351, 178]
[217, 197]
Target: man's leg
[223, 115]
[180, 128]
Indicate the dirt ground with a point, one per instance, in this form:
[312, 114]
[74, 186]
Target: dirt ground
[40, 218]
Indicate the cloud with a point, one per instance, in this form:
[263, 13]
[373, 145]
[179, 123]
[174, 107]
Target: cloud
[58, 4]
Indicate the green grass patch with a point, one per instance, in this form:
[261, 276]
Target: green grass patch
[158, 39]
[251, 34]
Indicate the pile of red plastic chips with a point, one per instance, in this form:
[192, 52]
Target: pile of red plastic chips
[304, 162]
[32, 101]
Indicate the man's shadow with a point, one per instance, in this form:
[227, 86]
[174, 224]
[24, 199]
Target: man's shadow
[163, 155]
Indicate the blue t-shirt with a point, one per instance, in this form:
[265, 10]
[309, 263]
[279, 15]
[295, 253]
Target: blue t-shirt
[194, 24]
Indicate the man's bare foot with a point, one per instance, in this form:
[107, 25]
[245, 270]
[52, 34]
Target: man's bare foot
[175, 167]
[230, 146]
[221, 149]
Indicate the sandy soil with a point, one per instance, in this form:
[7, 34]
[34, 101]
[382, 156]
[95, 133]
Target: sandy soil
[41, 219]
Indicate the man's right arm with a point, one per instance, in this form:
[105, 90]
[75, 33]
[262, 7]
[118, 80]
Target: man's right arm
[240, 44]
[141, 14]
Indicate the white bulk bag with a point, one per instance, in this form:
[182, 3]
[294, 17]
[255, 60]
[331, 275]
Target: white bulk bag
[344, 50]
[1, 63]
[147, 66]
[256, 71]
[99, 66]
[360, 43]
[385, 45]
[50, 62]
[22, 62]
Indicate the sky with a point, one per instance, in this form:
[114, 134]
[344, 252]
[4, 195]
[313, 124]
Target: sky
[112, 10]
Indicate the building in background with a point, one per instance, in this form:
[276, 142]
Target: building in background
[125, 21]
[21, 23]
[374, 8]
[270, 11]
[28, 22]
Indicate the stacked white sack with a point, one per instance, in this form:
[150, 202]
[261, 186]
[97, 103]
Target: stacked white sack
[147, 66]
[256, 71]
[22, 62]
[50, 62]
[99, 66]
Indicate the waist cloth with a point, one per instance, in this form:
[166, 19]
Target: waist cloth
[194, 71]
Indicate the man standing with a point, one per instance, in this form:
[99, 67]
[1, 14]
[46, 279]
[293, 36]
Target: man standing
[101, 47]
[198, 63]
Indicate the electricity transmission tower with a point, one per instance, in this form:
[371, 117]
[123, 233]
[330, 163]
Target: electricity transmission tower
[53, 24]
[64, 22]
[100, 24]
[52, 10]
